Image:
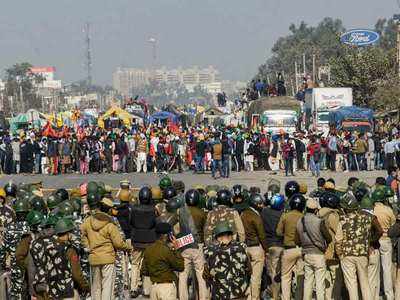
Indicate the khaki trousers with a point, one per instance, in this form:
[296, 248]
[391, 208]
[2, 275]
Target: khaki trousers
[335, 282]
[103, 278]
[195, 258]
[257, 258]
[385, 251]
[314, 274]
[137, 260]
[163, 291]
[273, 257]
[397, 282]
[356, 267]
[374, 270]
[292, 262]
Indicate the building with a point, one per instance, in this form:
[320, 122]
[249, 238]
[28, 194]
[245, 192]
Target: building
[125, 80]
[48, 74]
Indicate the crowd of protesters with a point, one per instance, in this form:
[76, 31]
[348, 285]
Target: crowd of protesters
[199, 149]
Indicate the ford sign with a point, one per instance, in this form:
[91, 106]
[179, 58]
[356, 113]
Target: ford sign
[359, 37]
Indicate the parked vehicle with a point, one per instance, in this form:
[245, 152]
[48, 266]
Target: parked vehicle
[352, 118]
[276, 114]
[322, 101]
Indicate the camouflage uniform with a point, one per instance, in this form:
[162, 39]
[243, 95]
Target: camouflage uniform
[352, 246]
[227, 270]
[223, 213]
[83, 254]
[12, 236]
[119, 268]
[53, 268]
[7, 216]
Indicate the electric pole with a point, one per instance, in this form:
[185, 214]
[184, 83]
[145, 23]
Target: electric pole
[88, 55]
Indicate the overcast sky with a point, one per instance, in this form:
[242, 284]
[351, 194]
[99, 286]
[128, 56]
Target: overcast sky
[233, 35]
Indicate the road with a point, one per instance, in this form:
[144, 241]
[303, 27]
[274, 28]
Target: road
[257, 178]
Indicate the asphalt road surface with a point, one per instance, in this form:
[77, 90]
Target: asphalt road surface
[257, 178]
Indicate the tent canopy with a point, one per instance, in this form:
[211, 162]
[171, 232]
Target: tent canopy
[119, 113]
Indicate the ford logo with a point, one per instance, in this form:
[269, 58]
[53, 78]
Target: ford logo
[359, 37]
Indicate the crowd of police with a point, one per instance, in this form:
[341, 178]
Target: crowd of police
[207, 242]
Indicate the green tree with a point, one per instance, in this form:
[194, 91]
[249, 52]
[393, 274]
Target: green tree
[387, 30]
[387, 96]
[321, 41]
[21, 86]
[364, 70]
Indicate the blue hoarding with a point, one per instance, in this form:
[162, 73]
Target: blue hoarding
[359, 37]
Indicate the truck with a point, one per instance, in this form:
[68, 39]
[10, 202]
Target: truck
[352, 118]
[275, 114]
[324, 100]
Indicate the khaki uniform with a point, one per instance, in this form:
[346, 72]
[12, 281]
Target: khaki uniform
[160, 263]
[273, 257]
[386, 219]
[256, 245]
[194, 257]
[334, 276]
[136, 260]
[102, 237]
[292, 261]
[352, 246]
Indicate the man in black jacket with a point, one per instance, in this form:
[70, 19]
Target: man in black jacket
[270, 216]
[143, 222]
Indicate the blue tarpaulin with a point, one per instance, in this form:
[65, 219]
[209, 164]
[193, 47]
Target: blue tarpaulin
[164, 115]
[350, 113]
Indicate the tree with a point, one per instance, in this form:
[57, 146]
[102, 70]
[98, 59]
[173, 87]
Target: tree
[21, 87]
[387, 30]
[364, 70]
[321, 41]
[387, 96]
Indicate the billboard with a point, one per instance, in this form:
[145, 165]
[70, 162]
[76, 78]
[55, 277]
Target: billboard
[359, 37]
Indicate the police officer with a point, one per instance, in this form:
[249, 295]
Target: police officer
[386, 219]
[271, 216]
[143, 222]
[320, 188]
[192, 253]
[352, 246]
[168, 193]
[329, 212]
[223, 213]
[34, 219]
[256, 242]
[313, 237]
[12, 236]
[228, 267]
[62, 260]
[239, 199]
[160, 262]
[11, 192]
[7, 215]
[124, 212]
[374, 261]
[102, 237]
[292, 256]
